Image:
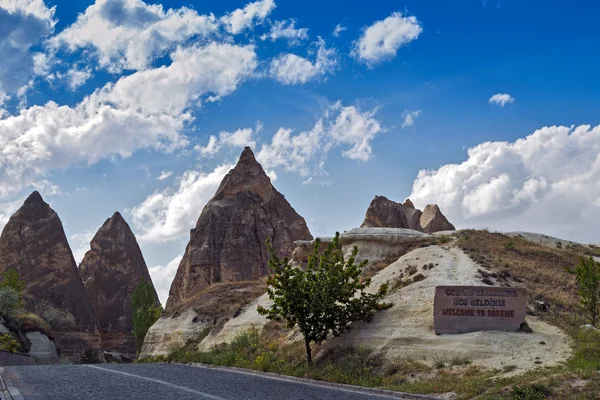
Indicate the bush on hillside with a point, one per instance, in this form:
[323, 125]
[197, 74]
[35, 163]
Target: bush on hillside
[57, 319]
[587, 274]
[324, 298]
[10, 301]
[9, 343]
[145, 311]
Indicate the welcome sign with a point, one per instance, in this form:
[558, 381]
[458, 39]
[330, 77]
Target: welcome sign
[461, 309]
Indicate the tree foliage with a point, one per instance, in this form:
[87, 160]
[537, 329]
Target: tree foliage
[145, 311]
[11, 279]
[324, 298]
[587, 275]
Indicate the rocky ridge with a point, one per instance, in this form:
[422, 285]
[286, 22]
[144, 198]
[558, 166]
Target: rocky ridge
[385, 213]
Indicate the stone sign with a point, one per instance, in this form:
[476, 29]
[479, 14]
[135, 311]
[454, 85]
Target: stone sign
[460, 309]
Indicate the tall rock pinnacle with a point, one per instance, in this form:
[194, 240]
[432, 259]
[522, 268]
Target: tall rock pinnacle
[110, 270]
[228, 242]
[34, 243]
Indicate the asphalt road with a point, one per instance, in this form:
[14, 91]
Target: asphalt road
[159, 381]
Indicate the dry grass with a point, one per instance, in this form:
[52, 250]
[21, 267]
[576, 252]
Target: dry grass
[539, 268]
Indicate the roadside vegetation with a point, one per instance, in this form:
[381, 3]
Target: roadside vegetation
[555, 295]
[145, 311]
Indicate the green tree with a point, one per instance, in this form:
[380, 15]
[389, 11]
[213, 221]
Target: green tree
[587, 275]
[145, 311]
[11, 279]
[325, 297]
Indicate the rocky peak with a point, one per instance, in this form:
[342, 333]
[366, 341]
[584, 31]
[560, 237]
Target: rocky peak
[34, 243]
[110, 270]
[228, 242]
[247, 176]
[433, 220]
[385, 213]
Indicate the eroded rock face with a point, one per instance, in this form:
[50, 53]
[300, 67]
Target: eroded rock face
[34, 243]
[110, 271]
[433, 220]
[386, 213]
[228, 242]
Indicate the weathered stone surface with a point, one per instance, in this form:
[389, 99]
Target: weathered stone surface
[461, 309]
[303, 249]
[380, 244]
[433, 220]
[110, 271]
[210, 310]
[228, 242]
[42, 348]
[34, 243]
[386, 213]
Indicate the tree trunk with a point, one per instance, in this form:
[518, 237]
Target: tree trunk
[308, 352]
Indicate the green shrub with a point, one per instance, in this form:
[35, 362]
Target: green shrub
[587, 274]
[10, 301]
[9, 343]
[535, 391]
[146, 311]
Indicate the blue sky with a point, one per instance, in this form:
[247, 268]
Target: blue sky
[489, 109]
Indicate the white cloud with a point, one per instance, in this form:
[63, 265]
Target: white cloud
[410, 117]
[243, 18]
[239, 138]
[286, 30]
[130, 34]
[162, 277]
[339, 28]
[340, 126]
[77, 77]
[501, 99]
[515, 186]
[169, 214]
[164, 175]
[147, 109]
[23, 24]
[210, 149]
[381, 41]
[291, 69]
[195, 71]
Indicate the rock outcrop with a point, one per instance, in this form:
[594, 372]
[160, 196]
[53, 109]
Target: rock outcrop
[110, 270]
[228, 242]
[33, 242]
[433, 220]
[386, 213]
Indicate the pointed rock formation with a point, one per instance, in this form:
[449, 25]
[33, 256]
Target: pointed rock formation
[110, 271]
[433, 220]
[228, 242]
[34, 243]
[385, 213]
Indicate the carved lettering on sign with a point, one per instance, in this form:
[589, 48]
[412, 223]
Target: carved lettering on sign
[460, 309]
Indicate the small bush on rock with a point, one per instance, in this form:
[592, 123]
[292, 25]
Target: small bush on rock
[10, 301]
[9, 343]
[57, 319]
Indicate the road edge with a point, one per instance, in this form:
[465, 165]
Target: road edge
[7, 390]
[312, 382]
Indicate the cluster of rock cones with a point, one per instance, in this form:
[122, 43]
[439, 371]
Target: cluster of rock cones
[226, 245]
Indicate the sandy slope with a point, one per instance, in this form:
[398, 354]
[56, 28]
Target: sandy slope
[406, 330]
